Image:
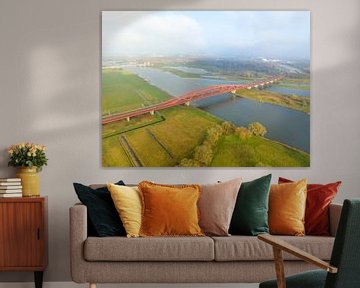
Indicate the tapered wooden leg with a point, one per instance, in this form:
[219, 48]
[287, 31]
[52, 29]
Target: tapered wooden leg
[279, 267]
[38, 275]
[92, 285]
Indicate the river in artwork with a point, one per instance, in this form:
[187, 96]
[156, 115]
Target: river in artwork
[285, 125]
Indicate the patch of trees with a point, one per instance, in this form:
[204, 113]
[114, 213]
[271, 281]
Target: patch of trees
[204, 153]
[257, 129]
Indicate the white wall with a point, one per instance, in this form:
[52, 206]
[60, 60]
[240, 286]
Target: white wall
[50, 94]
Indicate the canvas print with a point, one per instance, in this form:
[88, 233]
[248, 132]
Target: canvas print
[205, 89]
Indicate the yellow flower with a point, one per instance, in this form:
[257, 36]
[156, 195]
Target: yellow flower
[11, 151]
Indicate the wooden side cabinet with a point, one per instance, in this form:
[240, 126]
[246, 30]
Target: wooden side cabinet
[23, 235]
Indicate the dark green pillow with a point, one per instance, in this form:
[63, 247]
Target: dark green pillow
[103, 218]
[250, 216]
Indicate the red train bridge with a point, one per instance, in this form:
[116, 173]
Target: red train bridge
[188, 97]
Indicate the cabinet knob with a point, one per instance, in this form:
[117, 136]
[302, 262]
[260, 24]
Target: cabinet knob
[38, 234]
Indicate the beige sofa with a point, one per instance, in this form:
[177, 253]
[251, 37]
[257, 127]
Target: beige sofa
[234, 259]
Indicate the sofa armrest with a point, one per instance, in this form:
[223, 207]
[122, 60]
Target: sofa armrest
[78, 235]
[279, 246]
[334, 216]
[284, 246]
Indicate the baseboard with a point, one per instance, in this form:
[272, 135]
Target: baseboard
[74, 285]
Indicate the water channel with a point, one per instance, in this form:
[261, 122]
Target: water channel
[284, 125]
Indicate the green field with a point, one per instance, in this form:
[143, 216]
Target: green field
[296, 81]
[180, 73]
[168, 142]
[158, 157]
[257, 151]
[294, 86]
[113, 154]
[265, 96]
[135, 123]
[123, 91]
[164, 143]
[173, 134]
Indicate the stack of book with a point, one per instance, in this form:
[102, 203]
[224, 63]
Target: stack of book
[10, 187]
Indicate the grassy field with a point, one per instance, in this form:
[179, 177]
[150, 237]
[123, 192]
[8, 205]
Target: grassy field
[265, 96]
[298, 81]
[113, 154]
[153, 154]
[164, 143]
[119, 127]
[159, 140]
[257, 151]
[294, 86]
[180, 73]
[183, 129]
[123, 91]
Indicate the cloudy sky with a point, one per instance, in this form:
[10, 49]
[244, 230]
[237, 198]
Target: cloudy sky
[276, 34]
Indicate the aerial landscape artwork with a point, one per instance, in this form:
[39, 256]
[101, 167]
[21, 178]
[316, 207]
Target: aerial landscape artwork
[205, 89]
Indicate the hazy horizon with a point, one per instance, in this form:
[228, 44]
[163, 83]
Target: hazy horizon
[226, 34]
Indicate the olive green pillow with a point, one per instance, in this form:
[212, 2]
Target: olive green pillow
[250, 216]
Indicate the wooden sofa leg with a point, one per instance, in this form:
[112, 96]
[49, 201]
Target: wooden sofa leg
[92, 285]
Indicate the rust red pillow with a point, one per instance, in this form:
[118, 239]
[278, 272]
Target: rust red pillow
[319, 197]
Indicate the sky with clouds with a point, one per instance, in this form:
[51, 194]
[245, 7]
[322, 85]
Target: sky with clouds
[272, 34]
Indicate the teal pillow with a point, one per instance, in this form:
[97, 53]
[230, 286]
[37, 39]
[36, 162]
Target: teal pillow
[250, 216]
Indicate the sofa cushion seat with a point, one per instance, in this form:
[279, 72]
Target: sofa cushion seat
[249, 248]
[149, 249]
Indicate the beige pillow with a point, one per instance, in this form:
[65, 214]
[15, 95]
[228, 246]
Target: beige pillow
[216, 206]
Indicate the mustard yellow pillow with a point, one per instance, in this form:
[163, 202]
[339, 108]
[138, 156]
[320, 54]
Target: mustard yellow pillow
[287, 204]
[127, 201]
[169, 210]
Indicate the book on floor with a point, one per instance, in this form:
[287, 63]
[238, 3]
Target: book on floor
[9, 195]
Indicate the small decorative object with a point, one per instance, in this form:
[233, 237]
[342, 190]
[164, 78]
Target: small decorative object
[30, 158]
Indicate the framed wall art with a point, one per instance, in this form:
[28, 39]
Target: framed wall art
[205, 89]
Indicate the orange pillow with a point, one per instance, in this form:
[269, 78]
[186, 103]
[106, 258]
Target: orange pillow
[287, 203]
[169, 210]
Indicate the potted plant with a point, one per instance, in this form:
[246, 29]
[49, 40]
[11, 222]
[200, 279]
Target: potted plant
[30, 158]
